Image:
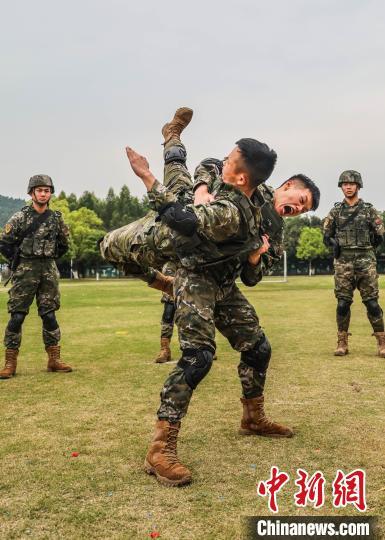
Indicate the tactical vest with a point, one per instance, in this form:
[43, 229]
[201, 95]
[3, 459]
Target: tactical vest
[43, 243]
[356, 233]
[223, 260]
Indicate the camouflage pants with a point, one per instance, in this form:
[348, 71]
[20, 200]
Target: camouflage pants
[145, 244]
[203, 306]
[167, 322]
[34, 278]
[357, 271]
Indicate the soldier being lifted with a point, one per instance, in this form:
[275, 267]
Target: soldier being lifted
[215, 244]
[32, 239]
[354, 229]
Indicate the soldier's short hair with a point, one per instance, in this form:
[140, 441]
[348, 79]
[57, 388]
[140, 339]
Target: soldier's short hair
[259, 159]
[308, 184]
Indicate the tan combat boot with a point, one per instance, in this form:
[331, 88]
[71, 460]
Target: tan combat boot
[162, 459]
[173, 129]
[342, 343]
[380, 336]
[54, 363]
[163, 283]
[9, 369]
[165, 352]
[254, 421]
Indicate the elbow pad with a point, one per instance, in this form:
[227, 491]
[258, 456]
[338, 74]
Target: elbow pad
[179, 218]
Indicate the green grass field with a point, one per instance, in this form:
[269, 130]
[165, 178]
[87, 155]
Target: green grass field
[105, 410]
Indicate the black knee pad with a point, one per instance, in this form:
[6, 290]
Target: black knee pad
[168, 312]
[175, 153]
[49, 321]
[258, 357]
[373, 308]
[15, 322]
[196, 363]
[343, 307]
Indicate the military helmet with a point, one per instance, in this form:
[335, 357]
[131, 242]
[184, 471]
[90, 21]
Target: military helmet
[40, 180]
[350, 176]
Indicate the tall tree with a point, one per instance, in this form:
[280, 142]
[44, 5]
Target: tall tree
[311, 246]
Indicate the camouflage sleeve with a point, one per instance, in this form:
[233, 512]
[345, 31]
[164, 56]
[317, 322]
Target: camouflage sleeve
[160, 195]
[218, 221]
[10, 236]
[377, 223]
[207, 172]
[377, 227]
[62, 237]
[329, 226]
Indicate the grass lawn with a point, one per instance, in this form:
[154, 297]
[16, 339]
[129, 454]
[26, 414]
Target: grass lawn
[105, 410]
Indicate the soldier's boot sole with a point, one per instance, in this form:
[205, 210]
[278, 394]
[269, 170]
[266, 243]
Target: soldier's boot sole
[162, 359]
[53, 370]
[249, 432]
[149, 469]
[8, 376]
[341, 353]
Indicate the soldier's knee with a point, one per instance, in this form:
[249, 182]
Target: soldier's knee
[175, 154]
[196, 363]
[259, 356]
[343, 307]
[49, 321]
[373, 307]
[15, 322]
[168, 312]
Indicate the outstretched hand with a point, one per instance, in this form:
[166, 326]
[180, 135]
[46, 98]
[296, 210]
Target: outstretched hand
[141, 167]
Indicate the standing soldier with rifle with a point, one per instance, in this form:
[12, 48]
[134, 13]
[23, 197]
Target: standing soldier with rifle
[32, 239]
[353, 228]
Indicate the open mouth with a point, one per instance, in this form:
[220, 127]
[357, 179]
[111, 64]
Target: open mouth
[287, 210]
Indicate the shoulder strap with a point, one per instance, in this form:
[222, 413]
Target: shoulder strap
[41, 218]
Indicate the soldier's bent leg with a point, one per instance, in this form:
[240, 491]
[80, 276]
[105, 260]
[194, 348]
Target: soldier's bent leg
[51, 330]
[375, 314]
[175, 175]
[178, 388]
[253, 367]
[343, 314]
[13, 331]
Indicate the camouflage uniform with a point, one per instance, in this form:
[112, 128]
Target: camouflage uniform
[207, 297]
[356, 266]
[37, 274]
[167, 322]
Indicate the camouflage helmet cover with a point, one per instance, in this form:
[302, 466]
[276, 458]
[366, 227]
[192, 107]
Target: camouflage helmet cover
[350, 176]
[40, 180]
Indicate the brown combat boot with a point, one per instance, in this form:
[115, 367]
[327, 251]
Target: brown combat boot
[342, 343]
[54, 363]
[173, 129]
[254, 421]
[163, 283]
[165, 351]
[9, 369]
[162, 459]
[380, 336]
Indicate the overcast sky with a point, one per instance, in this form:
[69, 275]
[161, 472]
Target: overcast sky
[82, 79]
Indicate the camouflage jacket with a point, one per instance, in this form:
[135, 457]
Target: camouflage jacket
[363, 232]
[51, 240]
[271, 223]
[229, 228]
